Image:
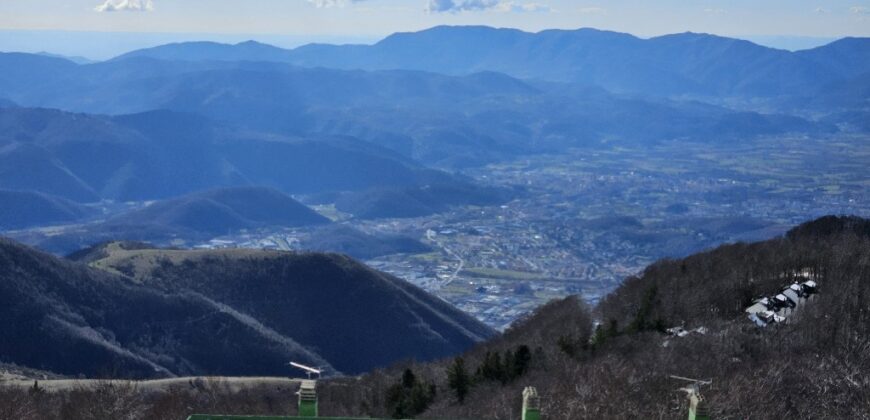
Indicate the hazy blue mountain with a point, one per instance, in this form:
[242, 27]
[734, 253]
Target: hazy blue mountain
[714, 65]
[845, 58]
[22, 209]
[195, 51]
[28, 167]
[23, 72]
[159, 313]
[75, 59]
[672, 64]
[449, 121]
[163, 154]
[216, 212]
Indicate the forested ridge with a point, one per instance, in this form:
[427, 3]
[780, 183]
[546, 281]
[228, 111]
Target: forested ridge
[615, 360]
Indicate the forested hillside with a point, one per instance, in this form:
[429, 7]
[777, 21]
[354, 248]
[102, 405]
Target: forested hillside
[127, 310]
[812, 367]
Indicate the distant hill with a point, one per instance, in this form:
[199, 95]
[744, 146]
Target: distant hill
[16, 67]
[215, 212]
[73, 320]
[213, 51]
[156, 313]
[22, 209]
[163, 154]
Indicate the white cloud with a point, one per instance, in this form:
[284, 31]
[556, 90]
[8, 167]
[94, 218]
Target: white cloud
[517, 7]
[332, 3]
[714, 11]
[441, 6]
[821, 11]
[860, 10]
[126, 6]
[454, 6]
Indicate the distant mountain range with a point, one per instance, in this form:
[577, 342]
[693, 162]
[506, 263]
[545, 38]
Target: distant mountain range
[137, 312]
[687, 63]
[448, 121]
[163, 154]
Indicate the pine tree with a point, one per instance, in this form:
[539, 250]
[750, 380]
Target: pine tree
[409, 397]
[522, 358]
[458, 379]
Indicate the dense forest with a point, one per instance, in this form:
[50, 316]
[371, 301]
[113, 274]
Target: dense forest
[610, 361]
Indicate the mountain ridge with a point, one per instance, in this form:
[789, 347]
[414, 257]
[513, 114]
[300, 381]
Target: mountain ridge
[131, 309]
[584, 55]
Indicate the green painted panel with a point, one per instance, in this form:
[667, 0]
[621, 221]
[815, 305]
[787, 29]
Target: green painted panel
[307, 408]
[531, 414]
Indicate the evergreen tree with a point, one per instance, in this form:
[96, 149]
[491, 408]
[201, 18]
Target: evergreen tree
[522, 358]
[458, 379]
[409, 397]
[408, 379]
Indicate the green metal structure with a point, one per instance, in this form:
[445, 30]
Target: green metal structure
[531, 404]
[308, 407]
[697, 407]
[308, 399]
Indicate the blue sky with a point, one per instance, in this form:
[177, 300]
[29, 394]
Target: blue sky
[101, 28]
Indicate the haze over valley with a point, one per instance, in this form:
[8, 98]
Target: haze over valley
[547, 205]
[494, 184]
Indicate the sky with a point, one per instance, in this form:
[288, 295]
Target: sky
[100, 29]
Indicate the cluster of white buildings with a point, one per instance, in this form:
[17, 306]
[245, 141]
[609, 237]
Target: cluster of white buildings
[778, 308]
